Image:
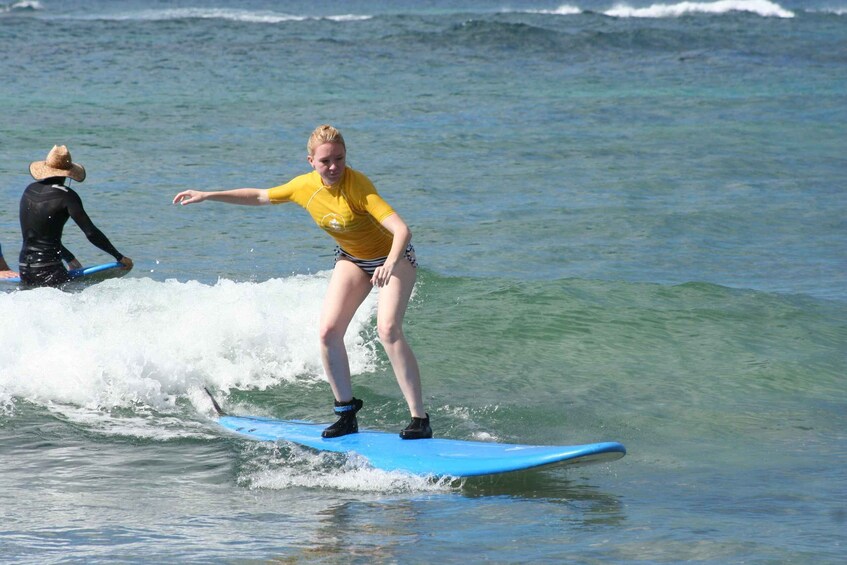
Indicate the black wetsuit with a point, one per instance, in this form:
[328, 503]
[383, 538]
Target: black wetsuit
[46, 206]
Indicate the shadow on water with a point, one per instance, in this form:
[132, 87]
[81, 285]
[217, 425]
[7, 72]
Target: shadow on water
[532, 507]
[557, 486]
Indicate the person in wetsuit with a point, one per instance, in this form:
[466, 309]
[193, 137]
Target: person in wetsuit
[45, 207]
[374, 251]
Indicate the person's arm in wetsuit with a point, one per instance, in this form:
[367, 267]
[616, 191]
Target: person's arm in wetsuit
[94, 235]
[69, 258]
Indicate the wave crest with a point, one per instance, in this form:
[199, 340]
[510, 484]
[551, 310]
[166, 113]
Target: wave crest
[230, 14]
[136, 341]
[563, 10]
[760, 7]
[22, 6]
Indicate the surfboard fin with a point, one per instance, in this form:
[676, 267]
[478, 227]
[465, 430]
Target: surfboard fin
[217, 406]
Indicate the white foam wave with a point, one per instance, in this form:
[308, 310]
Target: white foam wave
[761, 7]
[143, 424]
[231, 14]
[834, 10]
[138, 342]
[302, 468]
[22, 6]
[563, 10]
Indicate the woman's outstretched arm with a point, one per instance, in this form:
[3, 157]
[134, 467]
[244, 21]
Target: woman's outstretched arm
[244, 196]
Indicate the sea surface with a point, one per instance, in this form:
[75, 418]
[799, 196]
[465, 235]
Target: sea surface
[631, 222]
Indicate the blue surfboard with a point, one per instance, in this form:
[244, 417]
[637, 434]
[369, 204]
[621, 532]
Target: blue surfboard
[98, 272]
[436, 457]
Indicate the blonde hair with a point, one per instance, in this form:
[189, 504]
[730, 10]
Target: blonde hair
[324, 134]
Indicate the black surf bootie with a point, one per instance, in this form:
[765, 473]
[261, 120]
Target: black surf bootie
[418, 428]
[347, 423]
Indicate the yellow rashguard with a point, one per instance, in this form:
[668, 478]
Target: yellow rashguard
[350, 211]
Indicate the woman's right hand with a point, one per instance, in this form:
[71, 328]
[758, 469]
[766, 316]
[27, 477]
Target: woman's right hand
[189, 197]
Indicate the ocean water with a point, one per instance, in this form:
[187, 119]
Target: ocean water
[630, 220]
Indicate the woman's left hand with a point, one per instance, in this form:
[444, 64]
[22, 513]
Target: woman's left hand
[382, 274]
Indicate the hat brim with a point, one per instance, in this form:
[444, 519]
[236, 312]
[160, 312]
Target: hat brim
[40, 171]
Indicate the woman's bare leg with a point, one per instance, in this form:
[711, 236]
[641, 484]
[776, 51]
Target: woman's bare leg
[392, 303]
[348, 288]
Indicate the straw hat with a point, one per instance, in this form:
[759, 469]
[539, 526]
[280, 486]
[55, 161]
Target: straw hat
[57, 164]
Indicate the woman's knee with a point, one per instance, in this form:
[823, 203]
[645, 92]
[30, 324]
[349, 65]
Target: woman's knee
[331, 333]
[389, 332]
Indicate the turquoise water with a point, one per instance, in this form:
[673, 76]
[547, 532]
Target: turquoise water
[630, 223]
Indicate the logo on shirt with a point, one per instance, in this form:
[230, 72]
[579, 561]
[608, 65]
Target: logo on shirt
[332, 222]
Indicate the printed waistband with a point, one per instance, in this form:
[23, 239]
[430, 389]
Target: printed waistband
[370, 265]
